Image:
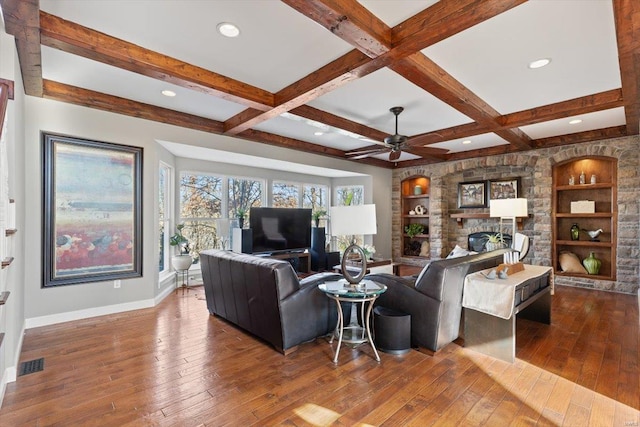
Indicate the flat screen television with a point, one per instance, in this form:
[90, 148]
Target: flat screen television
[280, 229]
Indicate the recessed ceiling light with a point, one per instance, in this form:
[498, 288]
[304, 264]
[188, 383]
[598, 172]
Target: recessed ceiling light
[466, 141]
[539, 63]
[168, 92]
[318, 133]
[228, 29]
[575, 121]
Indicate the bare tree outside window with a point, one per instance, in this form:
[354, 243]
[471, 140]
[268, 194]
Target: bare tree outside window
[200, 207]
[285, 195]
[315, 197]
[244, 194]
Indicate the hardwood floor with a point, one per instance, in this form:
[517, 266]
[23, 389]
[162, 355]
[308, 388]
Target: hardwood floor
[176, 365]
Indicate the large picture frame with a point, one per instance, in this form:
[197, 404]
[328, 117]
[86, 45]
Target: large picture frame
[92, 212]
[504, 188]
[472, 194]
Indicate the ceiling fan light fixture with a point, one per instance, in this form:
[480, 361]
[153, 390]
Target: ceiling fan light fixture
[539, 63]
[228, 29]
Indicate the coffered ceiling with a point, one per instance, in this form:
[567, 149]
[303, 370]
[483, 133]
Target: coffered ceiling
[321, 75]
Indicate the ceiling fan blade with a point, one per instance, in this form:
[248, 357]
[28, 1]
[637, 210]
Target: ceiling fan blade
[394, 155]
[367, 151]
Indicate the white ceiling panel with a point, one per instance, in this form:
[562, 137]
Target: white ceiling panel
[492, 58]
[393, 12]
[87, 74]
[591, 121]
[368, 99]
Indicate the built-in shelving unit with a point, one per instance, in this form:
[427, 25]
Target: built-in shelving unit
[605, 216]
[415, 199]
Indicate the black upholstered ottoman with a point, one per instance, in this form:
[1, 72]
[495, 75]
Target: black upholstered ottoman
[392, 330]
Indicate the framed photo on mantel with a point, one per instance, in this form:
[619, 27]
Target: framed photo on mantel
[472, 194]
[92, 211]
[504, 188]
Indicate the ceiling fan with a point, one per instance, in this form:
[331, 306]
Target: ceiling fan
[396, 143]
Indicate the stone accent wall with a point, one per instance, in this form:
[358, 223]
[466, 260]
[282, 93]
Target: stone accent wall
[535, 170]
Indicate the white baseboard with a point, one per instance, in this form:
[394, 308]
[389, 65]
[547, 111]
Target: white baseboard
[53, 319]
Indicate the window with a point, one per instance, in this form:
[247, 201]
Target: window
[200, 207]
[285, 195]
[244, 194]
[350, 195]
[164, 214]
[315, 197]
[207, 213]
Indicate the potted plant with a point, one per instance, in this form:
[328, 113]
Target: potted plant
[183, 260]
[494, 241]
[414, 229]
[317, 215]
[241, 213]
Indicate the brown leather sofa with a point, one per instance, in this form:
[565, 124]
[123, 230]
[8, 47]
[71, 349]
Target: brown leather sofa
[264, 297]
[434, 297]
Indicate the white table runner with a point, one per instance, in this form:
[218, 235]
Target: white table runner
[496, 296]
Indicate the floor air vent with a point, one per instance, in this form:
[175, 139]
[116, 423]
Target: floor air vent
[31, 366]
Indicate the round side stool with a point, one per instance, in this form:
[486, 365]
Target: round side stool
[392, 330]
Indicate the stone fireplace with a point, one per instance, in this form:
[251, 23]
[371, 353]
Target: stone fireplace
[534, 168]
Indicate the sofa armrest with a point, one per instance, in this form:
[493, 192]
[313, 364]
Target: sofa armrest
[316, 279]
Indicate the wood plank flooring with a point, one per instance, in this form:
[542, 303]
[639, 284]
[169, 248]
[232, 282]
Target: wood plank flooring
[174, 365]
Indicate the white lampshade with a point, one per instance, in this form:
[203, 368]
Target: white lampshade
[353, 220]
[508, 208]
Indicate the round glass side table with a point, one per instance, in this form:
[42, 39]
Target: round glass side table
[365, 293]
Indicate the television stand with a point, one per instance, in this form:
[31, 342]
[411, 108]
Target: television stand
[303, 257]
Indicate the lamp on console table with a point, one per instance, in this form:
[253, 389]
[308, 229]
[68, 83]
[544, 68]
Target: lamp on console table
[509, 209]
[353, 221]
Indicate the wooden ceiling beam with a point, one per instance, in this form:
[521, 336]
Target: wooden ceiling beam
[79, 40]
[317, 115]
[586, 136]
[443, 20]
[113, 104]
[428, 75]
[573, 107]
[451, 19]
[350, 21]
[295, 144]
[22, 20]
[627, 19]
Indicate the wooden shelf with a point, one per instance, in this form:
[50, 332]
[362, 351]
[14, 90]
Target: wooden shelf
[10, 231]
[416, 196]
[460, 217]
[584, 243]
[7, 262]
[415, 216]
[577, 187]
[4, 296]
[417, 236]
[604, 196]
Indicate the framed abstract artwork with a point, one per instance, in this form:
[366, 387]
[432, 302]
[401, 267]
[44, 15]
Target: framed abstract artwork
[92, 212]
[472, 194]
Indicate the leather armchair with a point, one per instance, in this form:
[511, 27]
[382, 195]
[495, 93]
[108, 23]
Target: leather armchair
[434, 297]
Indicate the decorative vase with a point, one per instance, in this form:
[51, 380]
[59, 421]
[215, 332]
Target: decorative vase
[592, 264]
[181, 262]
[240, 222]
[575, 232]
[417, 190]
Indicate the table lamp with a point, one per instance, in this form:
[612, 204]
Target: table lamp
[352, 221]
[508, 208]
